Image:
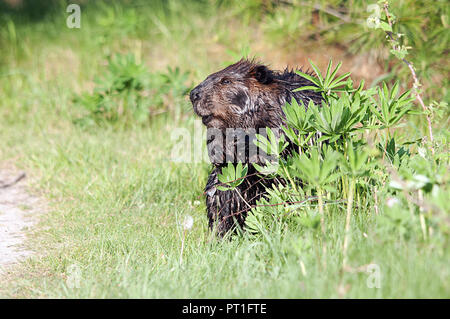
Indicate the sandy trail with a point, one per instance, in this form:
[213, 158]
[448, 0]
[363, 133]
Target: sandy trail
[17, 207]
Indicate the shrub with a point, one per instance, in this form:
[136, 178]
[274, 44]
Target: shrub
[356, 156]
[361, 162]
[128, 93]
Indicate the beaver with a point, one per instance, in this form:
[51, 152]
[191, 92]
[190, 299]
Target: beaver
[246, 96]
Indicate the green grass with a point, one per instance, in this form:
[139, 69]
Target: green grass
[116, 200]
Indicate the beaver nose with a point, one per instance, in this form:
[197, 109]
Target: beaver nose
[195, 94]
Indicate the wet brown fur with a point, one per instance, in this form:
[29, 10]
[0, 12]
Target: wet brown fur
[245, 95]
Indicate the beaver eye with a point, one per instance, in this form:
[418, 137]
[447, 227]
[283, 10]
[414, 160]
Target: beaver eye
[225, 81]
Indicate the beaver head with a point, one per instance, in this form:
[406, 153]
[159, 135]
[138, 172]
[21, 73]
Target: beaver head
[245, 98]
[247, 94]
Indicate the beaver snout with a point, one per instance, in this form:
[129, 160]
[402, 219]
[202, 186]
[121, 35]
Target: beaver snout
[195, 95]
[199, 105]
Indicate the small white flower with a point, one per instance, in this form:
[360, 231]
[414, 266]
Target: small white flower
[392, 201]
[188, 222]
[196, 203]
[422, 151]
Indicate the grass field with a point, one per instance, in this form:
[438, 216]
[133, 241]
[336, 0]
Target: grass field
[116, 200]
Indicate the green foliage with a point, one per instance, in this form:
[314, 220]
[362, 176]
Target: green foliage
[345, 119]
[316, 169]
[327, 84]
[339, 118]
[118, 94]
[390, 109]
[272, 145]
[127, 92]
[394, 154]
[356, 164]
[299, 129]
[359, 26]
[232, 176]
[299, 116]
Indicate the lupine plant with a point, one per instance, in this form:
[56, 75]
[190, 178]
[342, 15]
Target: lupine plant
[342, 157]
[128, 93]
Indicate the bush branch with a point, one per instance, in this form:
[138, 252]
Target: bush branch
[416, 84]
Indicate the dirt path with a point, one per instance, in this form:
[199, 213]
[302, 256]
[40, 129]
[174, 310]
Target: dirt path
[17, 211]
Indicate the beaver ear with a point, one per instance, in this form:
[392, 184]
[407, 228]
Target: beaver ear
[262, 74]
